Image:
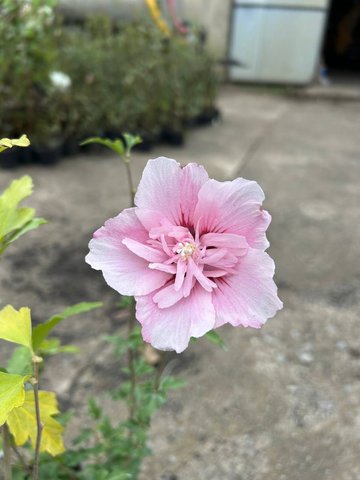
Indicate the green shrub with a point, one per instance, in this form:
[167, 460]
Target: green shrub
[132, 79]
[28, 53]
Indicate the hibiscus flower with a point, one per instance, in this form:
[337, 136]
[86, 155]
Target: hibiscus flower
[191, 252]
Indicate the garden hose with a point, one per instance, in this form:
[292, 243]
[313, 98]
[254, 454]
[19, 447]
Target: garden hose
[157, 17]
[180, 27]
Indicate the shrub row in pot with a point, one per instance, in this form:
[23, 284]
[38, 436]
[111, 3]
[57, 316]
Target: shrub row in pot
[113, 79]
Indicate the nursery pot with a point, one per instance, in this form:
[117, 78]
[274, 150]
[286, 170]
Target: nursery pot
[48, 154]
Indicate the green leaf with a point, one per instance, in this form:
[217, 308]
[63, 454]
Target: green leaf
[21, 361]
[12, 393]
[131, 141]
[94, 409]
[41, 331]
[52, 346]
[15, 221]
[172, 383]
[15, 326]
[125, 301]
[120, 344]
[31, 225]
[22, 423]
[215, 338]
[11, 217]
[116, 146]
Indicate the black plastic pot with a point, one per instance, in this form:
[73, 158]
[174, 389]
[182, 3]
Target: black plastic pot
[47, 154]
[10, 158]
[70, 147]
[148, 142]
[15, 157]
[207, 117]
[114, 134]
[172, 137]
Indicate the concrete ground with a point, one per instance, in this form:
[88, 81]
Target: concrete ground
[282, 403]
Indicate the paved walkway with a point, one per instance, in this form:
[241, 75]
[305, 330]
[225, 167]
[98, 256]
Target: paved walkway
[282, 403]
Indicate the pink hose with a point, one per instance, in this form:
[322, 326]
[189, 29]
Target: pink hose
[177, 23]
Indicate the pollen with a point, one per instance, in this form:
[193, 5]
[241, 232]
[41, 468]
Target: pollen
[185, 249]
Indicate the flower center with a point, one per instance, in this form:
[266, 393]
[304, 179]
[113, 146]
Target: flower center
[185, 249]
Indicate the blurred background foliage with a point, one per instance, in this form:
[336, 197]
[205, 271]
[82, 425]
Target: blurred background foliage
[61, 82]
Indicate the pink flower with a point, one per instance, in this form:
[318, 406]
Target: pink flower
[192, 252]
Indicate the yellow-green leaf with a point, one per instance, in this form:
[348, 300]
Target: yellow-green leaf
[5, 143]
[23, 141]
[12, 393]
[12, 217]
[15, 325]
[15, 221]
[17, 191]
[33, 224]
[23, 426]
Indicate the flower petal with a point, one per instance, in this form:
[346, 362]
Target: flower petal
[192, 179]
[122, 269]
[171, 328]
[233, 207]
[167, 296]
[249, 297]
[144, 251]
[170, 191]
[151, 218]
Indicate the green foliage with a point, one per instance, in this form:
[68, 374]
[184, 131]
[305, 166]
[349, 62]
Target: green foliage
[53, 346]
[15, 326]
[125, 301]
[12, 393]
[116, 146]
[23, 426]
[131, 141]
[41, 331]
[15, 221]
[20, 361]
[123, 78]
[215, 338]
[28, 38]
[106, 450]
[17, 405]
[123, 446]
[119, 146]
[115, 449]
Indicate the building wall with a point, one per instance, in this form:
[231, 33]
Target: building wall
[214, 16]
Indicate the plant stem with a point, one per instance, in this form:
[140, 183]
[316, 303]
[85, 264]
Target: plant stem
[131, 362]
[7, 452]
[131, 323]
[130, 180]
[20, 458]
[160, 371]
[39, 425]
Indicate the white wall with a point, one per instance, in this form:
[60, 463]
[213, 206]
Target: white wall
[214, 16]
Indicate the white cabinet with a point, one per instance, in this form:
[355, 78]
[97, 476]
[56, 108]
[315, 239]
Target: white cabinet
[276, 41]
